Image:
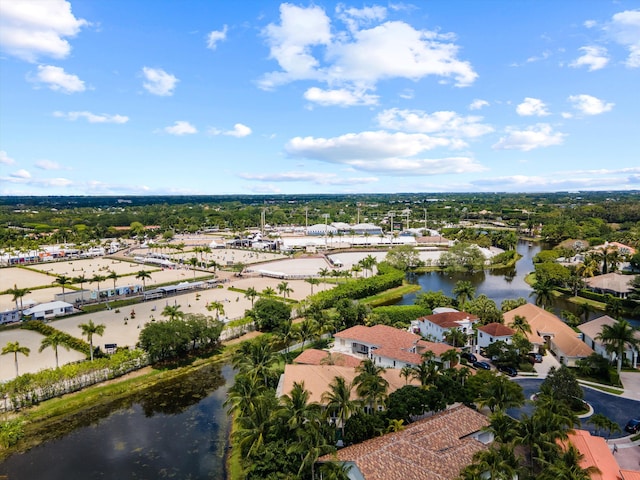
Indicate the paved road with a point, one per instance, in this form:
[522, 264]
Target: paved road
[618, 409]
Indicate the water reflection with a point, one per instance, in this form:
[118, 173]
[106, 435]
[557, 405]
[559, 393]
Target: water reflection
[177, 429]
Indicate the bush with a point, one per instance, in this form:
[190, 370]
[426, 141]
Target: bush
[46, 330]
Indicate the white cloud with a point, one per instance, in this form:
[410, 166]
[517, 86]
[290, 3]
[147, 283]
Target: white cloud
[305, 48]
[159, 82]
[92, 117]
[532, 106]
[439, 123]
[239, 131]
[590, 23]
[478, 103]
[58, 80]
[30, 29]
[216, 36]
[536, 136]
[589, 105]
[313, 177]
[21, 174]
[48, 165]
[339, 97]
[594, 58]
[181, 127]
[6, 159]
[624, 28]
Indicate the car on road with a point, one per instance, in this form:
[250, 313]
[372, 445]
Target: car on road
[481, 365]
[512, 372]
[469, 356]
[535, 357]
[633, 425]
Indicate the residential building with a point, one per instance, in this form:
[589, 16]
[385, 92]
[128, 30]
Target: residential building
[493, 332]
[590, 330]
[613, 283]
[436, 326]
[549, 331]
[595, 453]
[434, 448]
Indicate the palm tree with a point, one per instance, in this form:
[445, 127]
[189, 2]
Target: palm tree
[356, 269]
[63, 281]
[368, 263]
[617, 338]
[543, 290]
[451, 357]
[324, 272]
[567, 467]
[406, 372]
[464, 291]
[89, 329]
[455, 337]
[251, 293]
[370, 385]
[16, 348]
[55, 340]
[312, 281]
[585, 308]
[193, 261]
[172, 312]
[521, 325]
[216, 306]
[143, 275]
[18, 293]
[268, 292]
[113, 276]
[499, 462]
[338, 401]
[81, 279]
[97, 279]
[284, 289]
[307, 330]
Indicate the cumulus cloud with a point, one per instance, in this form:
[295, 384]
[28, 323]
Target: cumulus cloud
[593, 57]
[536, 136]
[58, 80]
[308, 47]
[532, 107]
[216, 36]
[339, 97]
[624, 28]
[21, 174]
[31, 29]
[239, 130]
[313, 177]
[181, 127]
[159, 82]
[48, 165]
[589, 105]
[477, 104]
[439, 123]
[5, 159]
[92, 117]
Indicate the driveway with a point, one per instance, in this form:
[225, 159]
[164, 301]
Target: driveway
[631, 382]
[616, 408]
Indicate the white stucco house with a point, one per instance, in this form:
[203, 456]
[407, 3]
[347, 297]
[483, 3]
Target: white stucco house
[590, 330]
[435, 326]
[493, 332]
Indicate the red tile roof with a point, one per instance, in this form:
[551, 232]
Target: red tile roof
[595, 453]
[435, 448]
[312, 356]
[449, 319]
[497, 330]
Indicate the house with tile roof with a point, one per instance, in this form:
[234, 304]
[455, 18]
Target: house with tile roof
[493, 332]
[434, 448]
[595, 453]
[436, 326]
[387, 346]
[612, 283]
[548, 330]
[590, 330]
[312, 356]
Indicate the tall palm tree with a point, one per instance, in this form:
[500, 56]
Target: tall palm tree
[617, 338]
[55, 340]
[585, 308]
[18, 293]
[370, 385]
[455, 337]
[193, 261]
[268, 292]
[172, 312]
[251, 293]
[216, 306]
[500, 462]
[97, 279]
[113, 276]
[143, 275]
[312, 281]
[16, 348]
[81, 279]
[307, 330]
[284, 288]
[464, 291]
[338, 401]
[89, 329]
[543, 291]
[521, 325]
[324, 272]
[567, 467]
[63, 281]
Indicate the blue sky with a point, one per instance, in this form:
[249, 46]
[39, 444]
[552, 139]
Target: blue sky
[121, 97]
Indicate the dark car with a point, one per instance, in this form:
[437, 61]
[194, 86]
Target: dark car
[633, 425]
[535, 357]
[512, 372]
[482, 365]
[469, 356]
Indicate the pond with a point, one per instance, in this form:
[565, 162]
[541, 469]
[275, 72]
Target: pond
[175, 430]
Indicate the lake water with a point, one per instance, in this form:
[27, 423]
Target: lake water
[175, 430]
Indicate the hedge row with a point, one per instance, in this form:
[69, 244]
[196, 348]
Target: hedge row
[364, 287]
[598, 297]
[404, 314]
[46, 330]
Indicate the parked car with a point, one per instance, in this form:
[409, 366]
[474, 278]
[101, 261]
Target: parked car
[535, 357]
[512, 372]
[633, 425]
[469, 356]
[482, 365]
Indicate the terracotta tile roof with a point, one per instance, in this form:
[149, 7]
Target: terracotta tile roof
[596, 453]
[380, 335]
[497, 330]
[449, 319]
[317, 378]
[312, 356]
[437, 348]
[435, 448]
[630, 474]
[594, 327]
[543, 322]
